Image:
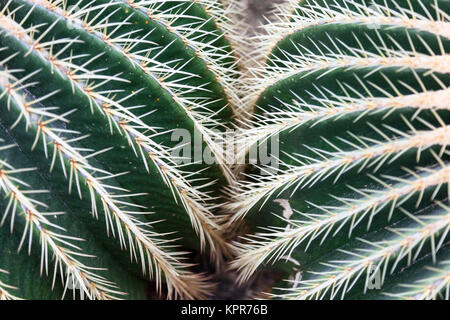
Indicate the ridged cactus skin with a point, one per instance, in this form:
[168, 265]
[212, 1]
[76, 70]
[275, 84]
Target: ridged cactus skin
[357, 92]
[94, 204]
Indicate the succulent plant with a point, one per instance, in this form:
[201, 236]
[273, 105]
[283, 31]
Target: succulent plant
[116, 169]
[356, 95]
[93, 93]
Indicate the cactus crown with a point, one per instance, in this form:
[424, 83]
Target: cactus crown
[108, 103]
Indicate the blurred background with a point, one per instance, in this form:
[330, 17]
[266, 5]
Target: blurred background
[256, 9]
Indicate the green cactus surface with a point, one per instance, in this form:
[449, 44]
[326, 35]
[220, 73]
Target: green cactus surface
[356, 95]
[93, 195]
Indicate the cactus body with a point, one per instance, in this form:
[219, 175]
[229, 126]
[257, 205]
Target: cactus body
[357, 94]
[91, 92]
[114, 143]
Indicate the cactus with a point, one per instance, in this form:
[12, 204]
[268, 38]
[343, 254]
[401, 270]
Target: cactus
[356, 93]
[95, 198]
[104, 198]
